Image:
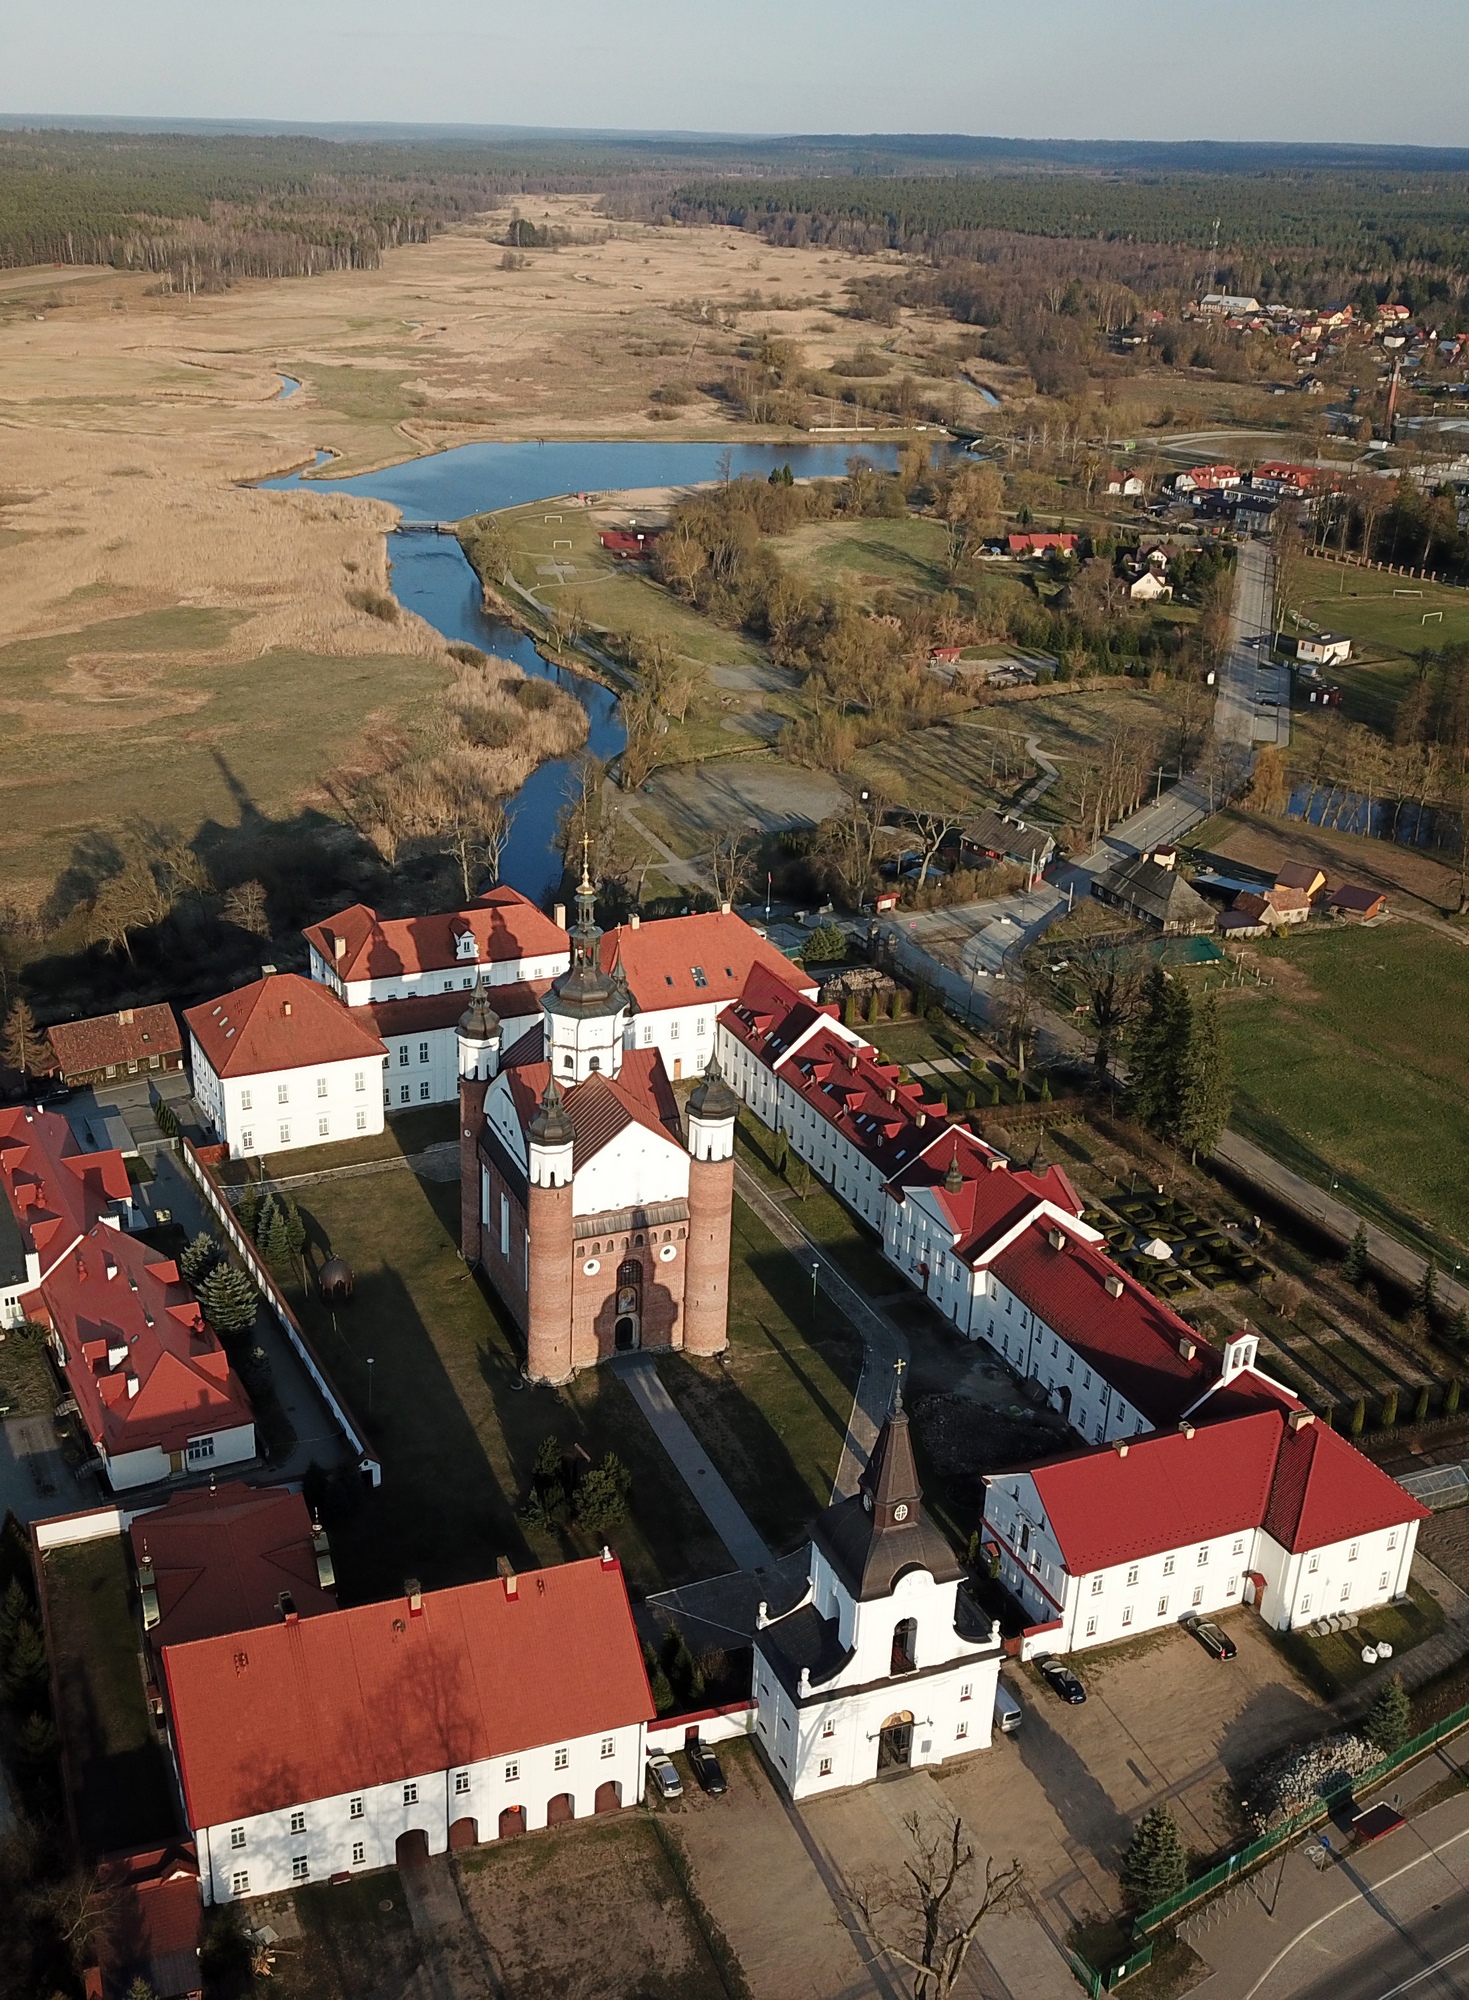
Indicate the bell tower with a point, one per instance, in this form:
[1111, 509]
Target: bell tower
[550, 1141]
[713, 1108]
[586, 1009]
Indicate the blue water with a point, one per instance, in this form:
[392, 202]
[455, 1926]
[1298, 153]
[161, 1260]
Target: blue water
[430, 575]
[289, 386]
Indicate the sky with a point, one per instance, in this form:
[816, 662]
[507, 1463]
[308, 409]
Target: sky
[1306, 70]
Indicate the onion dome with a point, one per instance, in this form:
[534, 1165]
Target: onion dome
[552, 1124]
[712, 1098]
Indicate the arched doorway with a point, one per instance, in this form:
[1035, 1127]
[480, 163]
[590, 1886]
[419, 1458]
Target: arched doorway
[895, 1742]
[609, 1797]
[410, 1850]
[905, 1642]
[559, 1809]
[629, 1305]
[512, 1821]
[463, 1833]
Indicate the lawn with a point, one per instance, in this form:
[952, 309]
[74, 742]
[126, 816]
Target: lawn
[1361, 604]
[28, 1384]
[121, 1792]
[860, 557]
[1334, 1664]
[1350, 1069]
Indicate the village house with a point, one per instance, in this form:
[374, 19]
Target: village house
[884, 1662]
[1323, 649]
[1130, 488]
[1149, 588]
[281, 1064]
[151, 1925]
[1208, 479]
[1149, 886]
[135, 1041]
[1001, 837]
[1302, 875]
[1040, 543]
[1356, 904]
[313, 1748]
[54, 1194]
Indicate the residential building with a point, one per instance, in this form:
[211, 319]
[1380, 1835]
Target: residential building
[151, 1926]
[1323, 649]
[54, 1193]
[282, 1063]
[1302, 875]
[600, 1224]
[135, 1041]
[367, 1738]
[1279, 479]
[1208, 479]
[1150, 887]
[1131, 487]
[1247, 1500]
[1356, 904]
[1040, 544]
[996, 836]
[152, 1384]
[1228, 305]
[883, 1662]
[1149, 588]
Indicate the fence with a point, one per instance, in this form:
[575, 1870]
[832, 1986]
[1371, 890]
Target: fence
[1111, 1976]
[1281, 1836]
[214, 1195]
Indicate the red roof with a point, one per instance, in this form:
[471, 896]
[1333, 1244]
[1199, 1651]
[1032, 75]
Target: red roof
[153, 1921]
[1132, 1340]
[503, 923]
[280, 1022]
[602, 1106]
[1028, 545]
[991, 1199]
[293, 1712]
[133, 1034]
[143, 1366]
[1326, 1491]
[516, 1000]
[221, 1560]
[688, 961]
[55, 1190]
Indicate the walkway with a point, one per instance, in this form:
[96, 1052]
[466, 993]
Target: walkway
[639, 1373]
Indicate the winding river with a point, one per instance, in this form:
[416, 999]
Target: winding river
[430, 575]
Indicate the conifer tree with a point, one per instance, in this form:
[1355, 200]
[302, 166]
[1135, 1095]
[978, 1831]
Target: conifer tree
[873, 1013]
[1156, 1041]
[1205, 1089]
[1359, 1417]
[1354, 1263]
[1459, 1326]
[198, 1258]
[23, 1670]
[37, 1741]
[1420, 1408]
[23, 1044]
[1389, 1409]
[1451, 1397]
[1155, 1864]
[248, 1212]
[228, 1300]
[1390, 1718]
[14, 1606]
[1425, 1298]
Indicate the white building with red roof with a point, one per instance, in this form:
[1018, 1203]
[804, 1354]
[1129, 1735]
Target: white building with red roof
[282, 1064]
[54, 1193]
[317, 1747]
[1248, 1499]
[153, 1386]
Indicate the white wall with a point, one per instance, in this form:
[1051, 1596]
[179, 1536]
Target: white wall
[330, 1833]
[685, 1037]
[463, 974]
[633, 1170]
[1354, 1575]
[249, 1115]
[422, 1068]
[235, 1446]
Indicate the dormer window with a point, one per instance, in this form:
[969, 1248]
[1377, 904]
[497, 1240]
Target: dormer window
[699, 976]
[466, 945]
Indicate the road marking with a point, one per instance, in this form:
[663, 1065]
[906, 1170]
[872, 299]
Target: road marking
[1374, 1887]
[1427, 1973]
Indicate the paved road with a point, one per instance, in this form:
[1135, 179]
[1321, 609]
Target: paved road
[1428, 1959]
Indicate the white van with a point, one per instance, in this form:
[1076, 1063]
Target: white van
[1008, 1713]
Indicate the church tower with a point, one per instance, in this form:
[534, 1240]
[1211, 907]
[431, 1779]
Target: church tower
[713, 1108]
[550, 1138]
[586, 1009]
[478, 1039]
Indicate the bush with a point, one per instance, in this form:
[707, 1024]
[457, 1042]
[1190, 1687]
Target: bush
[1420, 1408]
[827, 945]
[376, 603]
[1359, 1417]
[602, 1497]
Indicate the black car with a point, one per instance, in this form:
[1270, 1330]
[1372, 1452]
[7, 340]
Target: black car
[1218, 1645]
[1060, 1679]
[705, 1767]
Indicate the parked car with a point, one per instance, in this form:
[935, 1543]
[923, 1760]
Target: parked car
[1008, 1713]
[1060, 1679]
[664, 1776]
[705, 1767]
[1217, 1644]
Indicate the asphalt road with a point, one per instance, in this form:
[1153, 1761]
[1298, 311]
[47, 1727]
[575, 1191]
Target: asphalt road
[1423, 1958]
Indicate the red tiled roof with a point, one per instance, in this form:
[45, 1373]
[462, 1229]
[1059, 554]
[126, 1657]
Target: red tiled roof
[848, 1085]
[665, 960]
[280, 1022]
[1025, 545]
[55, 1190]
[516, 1000]
[991, 1200]
[1326, 1491]
[1131, 1340]
[603, 1105]
[131, 1035]
[123, 1314]
[504, 923]
[370, 1696]
[153, 1922]
[221, 1560]
[771, 1015]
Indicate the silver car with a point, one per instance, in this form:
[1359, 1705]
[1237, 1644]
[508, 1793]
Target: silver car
[664, 1776]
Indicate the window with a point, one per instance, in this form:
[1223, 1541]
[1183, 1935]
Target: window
[1162, 1607]
[237, 1836]
[323, 1127]
[321, 1086]
[423, 1052]
[359, 1853]
[461, 1783]
[1382, 1581]
[504, 1226]
[1168, 1565]
[283, 1093]
[245, 1104]
[1313, 1565]
[647, 1033]
[561, 1759]
[1132, 1574]
[1203, 1557]
[423, 1090]
[828, 1728]
[402, 1055]
[1239, 1548]
[285, 1132]
[1091, 1628]
[1198, 1593]
[1126, 1614]
[1229, 1587]
[961, 1731]
[825, 1769]
[298, 1822]
[354, 1809]
[701, 1026]
[200, 1451]
[1096, 1586]
[240, 1882]
[1392, 1540]
[300, 1868]
[362, 1121]
[247, 1141]
[410, 1795]
[673, 1031]
[1346, 1591]
[1352, 1552]
[1305, 1604]
[403, 1093]
[966, 1692]
[359, 1080]
[512, 1770]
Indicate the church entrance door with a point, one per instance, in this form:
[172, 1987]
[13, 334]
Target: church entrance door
[625, 1334]
[629, 1305]
[895, 1743]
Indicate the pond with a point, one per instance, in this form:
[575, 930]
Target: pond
[431, 577]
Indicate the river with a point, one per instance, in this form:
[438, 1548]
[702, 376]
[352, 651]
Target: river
[430, 574]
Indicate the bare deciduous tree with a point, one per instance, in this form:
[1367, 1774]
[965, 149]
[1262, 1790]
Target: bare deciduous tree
[849, 843]
[730, 862]
[245, 905]
[927, 1916]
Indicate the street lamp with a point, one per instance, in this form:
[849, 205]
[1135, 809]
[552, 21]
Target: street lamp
[815, 1296]
[369, 1385]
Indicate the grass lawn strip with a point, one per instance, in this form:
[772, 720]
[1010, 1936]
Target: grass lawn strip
[1334, 1664]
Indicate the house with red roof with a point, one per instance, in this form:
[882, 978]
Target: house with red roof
[152, 1384]
[1246, 1499]
[54, 1193]
[1208, 479]
[1042, 543]
[151, 1925]
[312, 1748]
[282, 1064]
[135, 1041]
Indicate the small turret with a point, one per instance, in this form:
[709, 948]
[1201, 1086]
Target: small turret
[479, 1037]
[550, 1136]
[713, 1108]
[954, 1178]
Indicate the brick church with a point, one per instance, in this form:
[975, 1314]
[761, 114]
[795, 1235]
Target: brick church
[598, 1214]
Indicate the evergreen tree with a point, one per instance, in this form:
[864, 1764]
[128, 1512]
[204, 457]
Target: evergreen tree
[849, 1011]
[275, 1236]
[293, 1228]
[1451, 1397]
[228, 1300]
[199, 1257]
[602, 1498]
[1205, 1087]
[782, 1150]
[15, 1606]
[995, 1097]
[662, 1690]
[1045, 1090]
[1156, 1045]
[1354, 1263]
[873, 1013]
[23, 1044]
[1420, 1408]
[1390, 1718]
[23, 1669]
[37, 1742]
[1425, 1298]
[1389, 1409]
[1359, 1417]
[1459, 1326]
[1155, 1864]
[248, 1212]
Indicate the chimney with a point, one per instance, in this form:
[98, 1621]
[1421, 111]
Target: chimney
[413, 1591]
[996, 1162]
[132, 1382]
[1298, 1419]
[921, 1120]
[267, 972]
[124, 1017]
[1056, 1238]
[1186, 1430]
[633, 921]
[852, 1060]
[1119, 1445]
[1186, 1347]
[609, 1561]
[558, 916]
[724, 909]
[285, 1006]
[339, 947]
[891, 1094]
[288, 1608]
[1114, 1285]
[507, 1576]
